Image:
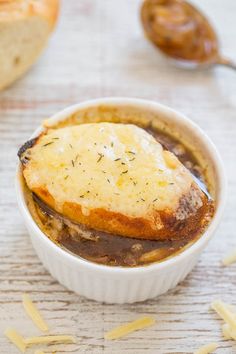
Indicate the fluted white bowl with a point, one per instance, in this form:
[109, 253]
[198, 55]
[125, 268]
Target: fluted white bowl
[119, 284]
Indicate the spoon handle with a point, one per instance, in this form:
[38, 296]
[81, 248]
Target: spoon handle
[226, 62]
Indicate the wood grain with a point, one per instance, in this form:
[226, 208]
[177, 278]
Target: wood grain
[98, 50]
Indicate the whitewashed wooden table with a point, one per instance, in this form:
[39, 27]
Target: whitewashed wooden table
[99, 50]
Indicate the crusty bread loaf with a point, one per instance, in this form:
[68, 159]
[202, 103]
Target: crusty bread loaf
[25, 26]
[115, 178]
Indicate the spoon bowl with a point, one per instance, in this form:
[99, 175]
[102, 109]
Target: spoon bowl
[182, 33]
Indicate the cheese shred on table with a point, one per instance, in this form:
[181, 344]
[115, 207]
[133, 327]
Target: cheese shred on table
[228, 332]
[224, 312]
[123, 330]
[16, 339]
[33, 313]
[41, 352]
[230, 258]
[228, 314]
[49, 339]
[206, 349]
[23, 343]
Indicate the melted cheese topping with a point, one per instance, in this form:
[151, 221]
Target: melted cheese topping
[118, 167]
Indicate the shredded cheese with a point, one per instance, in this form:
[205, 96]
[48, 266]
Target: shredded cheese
[206, 349]
[22, 343]
[49, 339]
[33, 313]
[228, 332]
[228, 314]
[229, 259]
[224, 312]
[231, 308]
[225, 331]
[42, 352]
[123, 330]
[16, 339]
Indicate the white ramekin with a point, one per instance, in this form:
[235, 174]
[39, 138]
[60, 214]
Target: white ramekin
[117, 284]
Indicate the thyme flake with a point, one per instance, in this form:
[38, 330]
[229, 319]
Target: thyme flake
[100, 157]
[51, 142]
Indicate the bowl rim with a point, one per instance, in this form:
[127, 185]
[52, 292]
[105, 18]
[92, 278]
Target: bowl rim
[195, 247]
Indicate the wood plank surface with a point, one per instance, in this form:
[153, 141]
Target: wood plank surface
[98, 49]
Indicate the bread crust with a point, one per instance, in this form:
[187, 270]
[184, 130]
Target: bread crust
[165, 224]
[11, 11]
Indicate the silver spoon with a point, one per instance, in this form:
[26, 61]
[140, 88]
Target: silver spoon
[182, 33]
[202, 186]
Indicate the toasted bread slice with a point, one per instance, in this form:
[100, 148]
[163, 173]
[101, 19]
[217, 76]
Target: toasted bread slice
[25, 26]
[116, 178]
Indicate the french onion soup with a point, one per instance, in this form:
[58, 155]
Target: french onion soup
[115, 193]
